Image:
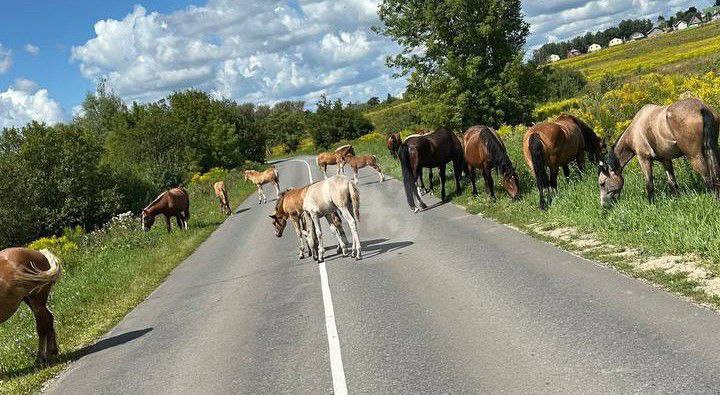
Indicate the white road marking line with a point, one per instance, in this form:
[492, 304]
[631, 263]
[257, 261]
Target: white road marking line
[336, 364]
[308, 167]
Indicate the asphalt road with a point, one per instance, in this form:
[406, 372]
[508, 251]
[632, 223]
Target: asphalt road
[443, 302]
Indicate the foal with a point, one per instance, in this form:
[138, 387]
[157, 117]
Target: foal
[28, 275]
[485, 150]
[358, 162]
[222, 195]
[333, 158]
[260, 178]
[172, 203]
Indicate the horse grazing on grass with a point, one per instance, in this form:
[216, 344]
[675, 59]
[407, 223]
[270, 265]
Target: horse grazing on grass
[556, 144]
[333, 158]
[172, 203]
[393, 143]
[428, 151]
[290, 206]
[260, 178]
[27, 276]
[222, 195]
[358, 162]
[662, 133]
[485, 150]
[337, 193]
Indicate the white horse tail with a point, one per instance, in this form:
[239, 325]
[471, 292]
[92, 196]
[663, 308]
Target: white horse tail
[34, 278]
[355, 200]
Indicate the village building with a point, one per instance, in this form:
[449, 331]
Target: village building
[616, 41]
[656, 31]
[573, 53]
[680, 25]
[636, 36]
[695, 21]
[553, 58]
[594, 48]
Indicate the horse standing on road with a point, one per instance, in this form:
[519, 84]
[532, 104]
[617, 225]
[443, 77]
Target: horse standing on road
[260, 178]
[172, 203]
[484, 150]
[27, 276]
[428, 151]
[222, 195]
[662, 133]
[333, 158]
[358, 162]
[556, 144]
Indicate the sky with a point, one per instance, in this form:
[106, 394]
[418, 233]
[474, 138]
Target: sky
[52, 52]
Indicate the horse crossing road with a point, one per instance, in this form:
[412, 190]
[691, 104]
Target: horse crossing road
[443, 302]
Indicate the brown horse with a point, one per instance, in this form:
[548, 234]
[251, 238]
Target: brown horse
[290, 206]
[333, 158]
[260, 178]
[662, 133]
[172, 203]
[393, 143]
[431, 150]
[485, 150]
[358, 162]
[222, 195]
[27, 276]
[556, 144]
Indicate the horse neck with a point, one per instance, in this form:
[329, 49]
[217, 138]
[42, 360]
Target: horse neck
[623, 151]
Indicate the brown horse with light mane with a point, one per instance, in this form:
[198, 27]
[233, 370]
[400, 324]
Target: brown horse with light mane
[172, 203]
[393, 143]
[27, 276]
[333, 158]
[556, 144]
[358, 162]
[485, 150]
[260, 178]
[222, 195]
[662, 133]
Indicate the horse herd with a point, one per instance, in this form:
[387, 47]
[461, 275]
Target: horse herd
[686, 128]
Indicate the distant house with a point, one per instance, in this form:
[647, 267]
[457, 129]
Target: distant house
[553, 58]
[594, 48]
[695, 21]
[616, 41]
[715, 15]
[636, 36]
[656, 31]
[573, 53]
[680, 25]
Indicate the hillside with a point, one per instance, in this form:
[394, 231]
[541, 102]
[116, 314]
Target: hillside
[692, 50]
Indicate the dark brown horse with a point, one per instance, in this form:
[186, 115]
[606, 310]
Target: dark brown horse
[554, 145]
[27, 276]
[485, 150]
[393, 143]
[428, 151]
[662, 133]
[172, 203]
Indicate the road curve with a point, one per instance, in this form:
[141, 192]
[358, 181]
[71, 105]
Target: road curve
[444, 302]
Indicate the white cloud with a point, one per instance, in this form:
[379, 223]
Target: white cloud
[262, 51]
[25, 102]
[5, 59]
[33, 50]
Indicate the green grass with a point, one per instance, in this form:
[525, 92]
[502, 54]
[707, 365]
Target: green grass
[692, 50]
[110, 273]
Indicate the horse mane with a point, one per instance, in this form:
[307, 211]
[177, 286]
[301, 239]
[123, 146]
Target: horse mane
[497, 151]
[338, 149]
[591, 139]
[612, 160]
[157, 199]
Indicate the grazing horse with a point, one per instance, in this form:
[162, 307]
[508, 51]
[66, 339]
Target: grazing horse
[485, 150]
[393, 143]
[290, 206]
[260, 178]
[432, 150]
[333, 158]
[172, 203]
[358, 162]
[222, 195]
[662, 133]
[556, 144]
[27, 276]
[328, 196]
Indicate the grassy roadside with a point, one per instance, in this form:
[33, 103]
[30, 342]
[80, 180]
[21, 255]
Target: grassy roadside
[109, 273]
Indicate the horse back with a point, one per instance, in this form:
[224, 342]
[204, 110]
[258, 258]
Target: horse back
[437, 148]
[475, 147]
[177, 200]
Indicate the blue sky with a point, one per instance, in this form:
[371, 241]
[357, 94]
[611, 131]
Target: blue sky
[247, 50]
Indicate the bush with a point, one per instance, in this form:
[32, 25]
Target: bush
[563, 83]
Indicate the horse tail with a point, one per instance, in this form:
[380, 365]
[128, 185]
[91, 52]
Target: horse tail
[34, 278]
[710, 136]
[408, 179]
[537, 157]
[355, 200]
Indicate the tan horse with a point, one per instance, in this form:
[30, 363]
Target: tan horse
[662, 133]
[222, 195]
[332, 158]
[172, 203]
[556, 144]
[260, 178]
[28, 275]
[290, 206]
[358, 162]
[484, 150]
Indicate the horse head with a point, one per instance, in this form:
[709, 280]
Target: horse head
[610, 180]
[147, 220]
[511, 183]
[279, 217]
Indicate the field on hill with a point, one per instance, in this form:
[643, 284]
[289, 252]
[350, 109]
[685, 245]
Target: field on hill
[692, 50]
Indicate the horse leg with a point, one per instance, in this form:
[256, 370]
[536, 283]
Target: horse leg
[44, 324]
[324, 169]
[336, 227]
[580, 159]
[180, 222]
[670, 173]
[167, 223]
[554, 171]
[646, 166]
[473, 180]
[301, 241]
[430, 179]
[351, 220]
[419, 182]
[259, 193]
[489, 185]
[442, 182]
[277, 190]
[377, 169]
[355, 173]
[318, 233]
[457, 172]
[566, 171]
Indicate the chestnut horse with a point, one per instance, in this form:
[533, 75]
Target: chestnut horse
[290, 206]
[27, 276]
[556, 144]
[333, 158]
[172, 203]
[222, 195]
[662, 133]
[358, 162]
[431, 150]
[393, 143]
[260, 178]
[485, 150]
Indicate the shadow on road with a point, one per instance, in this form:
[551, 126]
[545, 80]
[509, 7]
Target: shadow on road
[370, 248]
[242, 210]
